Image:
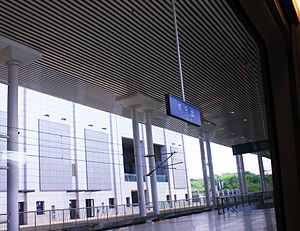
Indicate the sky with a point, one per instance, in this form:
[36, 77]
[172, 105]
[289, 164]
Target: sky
[223, 159]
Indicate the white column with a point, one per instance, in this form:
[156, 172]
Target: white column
[169, 171]
[262, 173]
[75, 157]
[13, 55]
[237, 158]
[119, 167]
[25, 216]
[145, 169]
[113, 163]
[188, 181]
[211, 173]
[138, 161]
[204, 170]
[241, 174]
[152, 166]
[12, 146]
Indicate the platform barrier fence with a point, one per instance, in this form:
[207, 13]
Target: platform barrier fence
[232, 203]
[63, 218]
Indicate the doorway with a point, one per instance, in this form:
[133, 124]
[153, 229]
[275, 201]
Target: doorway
[72, 209]
[89, 203]
[21, 213]
[111, 202]
[134, 198]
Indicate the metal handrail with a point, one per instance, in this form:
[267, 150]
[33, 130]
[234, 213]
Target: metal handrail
[3, 220]
[232, 202]
[58, 218]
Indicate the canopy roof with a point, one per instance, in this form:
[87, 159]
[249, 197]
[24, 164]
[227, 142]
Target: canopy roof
[95, 51]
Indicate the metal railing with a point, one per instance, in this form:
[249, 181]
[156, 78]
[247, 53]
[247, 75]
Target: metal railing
[3, 221]
[232, 203]
[98, 216]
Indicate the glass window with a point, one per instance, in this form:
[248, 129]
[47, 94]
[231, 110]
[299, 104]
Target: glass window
[128, 155]
[128, 201]
[111, 202]
[40, 207]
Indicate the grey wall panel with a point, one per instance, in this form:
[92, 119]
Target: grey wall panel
[98, 163]
[54, 156]
[178, 169]
[3, 149]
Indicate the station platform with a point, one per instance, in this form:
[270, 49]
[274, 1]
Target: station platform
[253, 220]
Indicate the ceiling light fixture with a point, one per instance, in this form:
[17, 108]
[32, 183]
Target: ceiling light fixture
[231, 112]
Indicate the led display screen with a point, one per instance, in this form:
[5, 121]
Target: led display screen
[252, 147]
[182, 110]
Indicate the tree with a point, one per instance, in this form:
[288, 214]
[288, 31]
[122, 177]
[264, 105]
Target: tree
[230, 181]
[253, 182]
[197, 186]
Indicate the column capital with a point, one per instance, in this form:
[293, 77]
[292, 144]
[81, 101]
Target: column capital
[148, 111]
[11, 51]
[13, 62]
[139, 101]
[135, 106]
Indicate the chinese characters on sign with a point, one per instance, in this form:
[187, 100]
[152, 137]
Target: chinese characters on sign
[182, 110]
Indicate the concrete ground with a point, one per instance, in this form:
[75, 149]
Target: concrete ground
[254, 220]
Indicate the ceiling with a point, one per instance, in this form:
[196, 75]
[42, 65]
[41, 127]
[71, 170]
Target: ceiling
[95, 51]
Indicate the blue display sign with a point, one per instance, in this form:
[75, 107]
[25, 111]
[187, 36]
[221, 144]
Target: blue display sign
[182, 110]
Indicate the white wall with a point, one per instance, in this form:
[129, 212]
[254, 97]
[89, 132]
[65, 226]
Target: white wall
[37, 106]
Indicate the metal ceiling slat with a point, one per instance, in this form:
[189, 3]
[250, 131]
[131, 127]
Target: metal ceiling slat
[217, 44]
[241, 30]
[227, 36]
[72, 66]
[235, 31]
[104, 48]
[220, 27]
[73, 44]
[140, 30]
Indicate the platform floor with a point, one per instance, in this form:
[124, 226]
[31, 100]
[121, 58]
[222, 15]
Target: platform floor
[254, 220]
